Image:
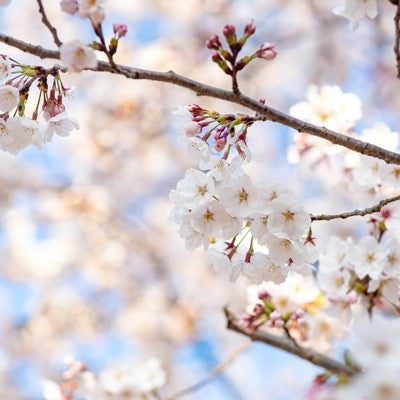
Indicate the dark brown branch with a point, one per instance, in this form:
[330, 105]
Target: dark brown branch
[396, 46]
[284, 343]
[361, 213]
[202, 89]
[213, 375]
[48, 24]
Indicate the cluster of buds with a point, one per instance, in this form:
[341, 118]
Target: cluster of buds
[265, 313]
[227, 59]
[16, 129]
[223, 132]
[119, 30]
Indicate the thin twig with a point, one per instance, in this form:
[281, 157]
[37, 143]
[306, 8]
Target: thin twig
[202, 89]
[48, 24]
[284, 343]
[361, 213]
[213, 375]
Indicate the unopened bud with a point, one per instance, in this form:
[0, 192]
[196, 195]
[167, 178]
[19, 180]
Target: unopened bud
[250, 28]
[266, 51]
[192, 129]
[214, 43]
[221, 63]
[120, 30]
[264, 295]
[220, 144]
[229, 32]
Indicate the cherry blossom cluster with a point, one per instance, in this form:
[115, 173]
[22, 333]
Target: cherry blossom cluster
[369, 268]
[122, 381]
[374, 351]
[17, 130]
[368, 179]
[256, 229]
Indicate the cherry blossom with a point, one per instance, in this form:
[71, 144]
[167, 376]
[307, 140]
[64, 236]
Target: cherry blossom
[356, 10]
[76, 56]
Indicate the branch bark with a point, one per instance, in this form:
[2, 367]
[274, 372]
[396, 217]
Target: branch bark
[361, 213]
[202, 89]
[284, 343]
[396, 47]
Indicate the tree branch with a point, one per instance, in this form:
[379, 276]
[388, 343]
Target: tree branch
[287, 345]
[48, 24]
[361, 213]
[213, 375]
[396, 47]
[202, 89]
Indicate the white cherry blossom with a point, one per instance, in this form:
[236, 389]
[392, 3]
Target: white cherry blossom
[260, 268]
[195, 189]
[356, 10]
[76, 56]
[288, 218]
[9, 97]
[239, 196]
[61, 124]
[371, 347]
[5, 68]
[376, 384]
[369, 257]
[329, 106]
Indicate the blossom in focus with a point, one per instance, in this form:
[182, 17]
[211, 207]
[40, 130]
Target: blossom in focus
[76, 56]
[288, 218]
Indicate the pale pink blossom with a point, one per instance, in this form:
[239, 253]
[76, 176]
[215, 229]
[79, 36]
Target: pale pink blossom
[76, 56]
[9, 97]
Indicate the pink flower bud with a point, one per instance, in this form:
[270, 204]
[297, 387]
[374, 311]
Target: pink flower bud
[229, 30]
[213, 43]
[258, 310]
[250, 28]
[267, 51]
[300, 313]
[263, 295]
[120, 30]
[220, 144]
[69, 6]
[192, 129]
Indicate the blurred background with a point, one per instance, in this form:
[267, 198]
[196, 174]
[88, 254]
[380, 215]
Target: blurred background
[90, 265]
